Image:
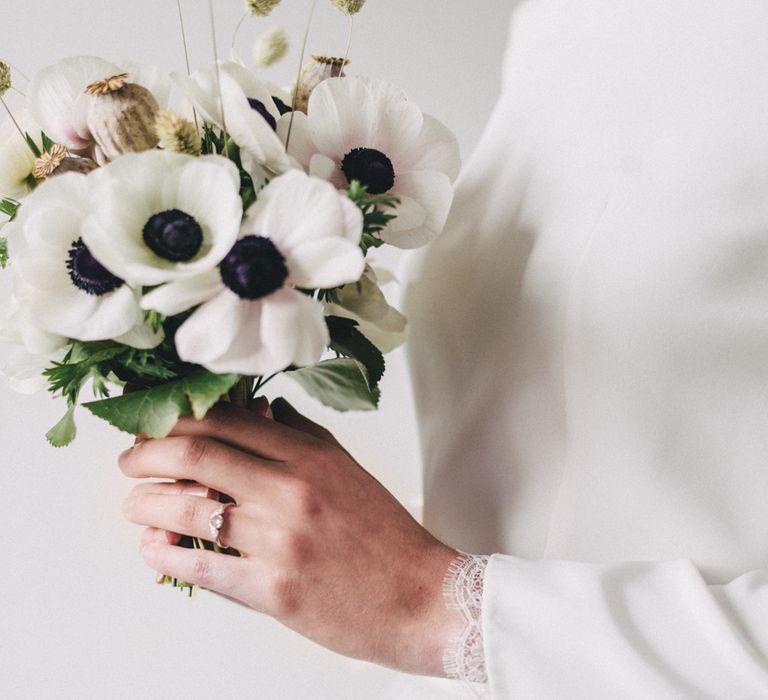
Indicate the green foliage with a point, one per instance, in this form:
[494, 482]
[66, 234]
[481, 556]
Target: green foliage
[32, 145]
[153, 412]
[375, 216]
[348, 341]
[9, 207]
[64, 432]
[48, 144]
[3, 253]
[341, 384]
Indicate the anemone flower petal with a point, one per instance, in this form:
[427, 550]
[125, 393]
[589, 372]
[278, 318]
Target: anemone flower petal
[212, 329]
[57, 101]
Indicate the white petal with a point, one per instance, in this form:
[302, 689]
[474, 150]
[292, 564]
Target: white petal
[300, 146]
[347, 113]
[435, 149]
[323, 167]
[178, 296]
[410, 215]
[434, 192]
[294, 328]
[142, 336]
[325, 263]
[16, 159]
[212, 329]
[57, 100]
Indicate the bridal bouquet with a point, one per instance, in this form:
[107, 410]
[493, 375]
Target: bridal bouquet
[173, 239]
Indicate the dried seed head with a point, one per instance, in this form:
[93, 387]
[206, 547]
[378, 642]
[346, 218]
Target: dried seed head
[122, 120]
[270, 47]
[58, 161]
[177, 134]
[348, 7]
[107, 85]
[47, 163]
[315, 71]
[260, 8]
[5, 78]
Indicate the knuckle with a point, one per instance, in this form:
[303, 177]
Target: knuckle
[296, 548]
[305, 499]
[189, 513]
[202, 570]
[285, 595]
[194, 450]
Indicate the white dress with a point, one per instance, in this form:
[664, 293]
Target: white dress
[590, 354]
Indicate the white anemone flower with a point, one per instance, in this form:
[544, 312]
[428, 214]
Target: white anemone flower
[27, 350]
[160, 216]
[16, 158]
[58, 101]
[367, 130]
[61, 285]
[365, 303]
[250, 109]
[252, 319]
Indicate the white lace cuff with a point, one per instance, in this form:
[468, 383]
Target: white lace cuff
[464, 658]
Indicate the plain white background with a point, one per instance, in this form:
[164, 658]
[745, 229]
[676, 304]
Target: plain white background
[80, 616]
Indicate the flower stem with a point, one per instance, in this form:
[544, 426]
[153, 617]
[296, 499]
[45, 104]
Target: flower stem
[298, 74]
[237, 29]
[186, 53]
[349, 42]
[218, 72]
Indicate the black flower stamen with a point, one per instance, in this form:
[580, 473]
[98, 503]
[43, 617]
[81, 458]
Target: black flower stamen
[281, 106]
[254, 268]
[173, 235]
[371, 168]
[89, 274]
[261, 108]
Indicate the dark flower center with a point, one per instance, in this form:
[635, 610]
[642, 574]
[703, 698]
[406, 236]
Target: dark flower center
[281, 106]
[173, 235]
[371, 167]
[89, 274]
[254, 268]
[261, 108]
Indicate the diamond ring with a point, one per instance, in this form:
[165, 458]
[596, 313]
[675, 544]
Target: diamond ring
[216, 522]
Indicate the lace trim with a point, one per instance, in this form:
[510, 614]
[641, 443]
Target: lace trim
[463, 591]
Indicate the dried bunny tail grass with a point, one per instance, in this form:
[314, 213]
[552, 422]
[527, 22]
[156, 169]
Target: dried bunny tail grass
[5, 78]
[270, 47]
[177, 134]
[107, 85]
[47, 163]
[260, 8]
[348, 7]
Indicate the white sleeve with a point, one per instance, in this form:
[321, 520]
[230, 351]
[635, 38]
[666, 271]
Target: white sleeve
[559, 629]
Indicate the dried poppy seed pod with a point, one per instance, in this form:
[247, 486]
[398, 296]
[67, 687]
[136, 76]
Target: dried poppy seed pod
[122, 116]
[316, 70]
[348, 7]
[58, 161]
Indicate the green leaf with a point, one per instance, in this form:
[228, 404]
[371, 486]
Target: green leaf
[154, 412]
[347, 340]
[63, 433]
[47, 143]
[3, 253]
[340, 384]
[9, 207]
[32, 145]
